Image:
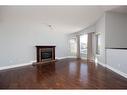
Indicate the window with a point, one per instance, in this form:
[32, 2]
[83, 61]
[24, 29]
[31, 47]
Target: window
[98, 44]
[73, 46]
[83, 45]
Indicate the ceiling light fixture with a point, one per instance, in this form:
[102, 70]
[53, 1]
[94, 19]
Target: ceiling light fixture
[48, 25]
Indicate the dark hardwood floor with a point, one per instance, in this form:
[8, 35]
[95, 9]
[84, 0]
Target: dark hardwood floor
[64, 74]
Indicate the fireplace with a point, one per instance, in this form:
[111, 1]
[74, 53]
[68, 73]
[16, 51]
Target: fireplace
[45, 54]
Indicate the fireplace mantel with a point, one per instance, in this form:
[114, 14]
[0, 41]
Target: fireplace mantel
[45, 54]
[45, 46]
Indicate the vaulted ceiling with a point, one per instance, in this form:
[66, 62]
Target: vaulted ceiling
[61, 18]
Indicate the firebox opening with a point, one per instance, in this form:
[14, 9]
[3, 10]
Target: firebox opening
[46, 55]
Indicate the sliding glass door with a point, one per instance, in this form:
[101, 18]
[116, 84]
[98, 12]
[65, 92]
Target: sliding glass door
[83, 46]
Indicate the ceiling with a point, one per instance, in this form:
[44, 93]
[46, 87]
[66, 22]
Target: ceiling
[120, 9]
[67, 19]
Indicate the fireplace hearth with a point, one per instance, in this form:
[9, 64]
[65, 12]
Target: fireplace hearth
[45, 54]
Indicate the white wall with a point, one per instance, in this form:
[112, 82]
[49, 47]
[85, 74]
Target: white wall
[18, 39]
[116, 30]
[100, 28]
[117, 59]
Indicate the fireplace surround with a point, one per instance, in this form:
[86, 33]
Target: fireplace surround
[45, 54]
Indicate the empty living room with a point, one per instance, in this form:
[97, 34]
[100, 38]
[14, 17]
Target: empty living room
[63, 47]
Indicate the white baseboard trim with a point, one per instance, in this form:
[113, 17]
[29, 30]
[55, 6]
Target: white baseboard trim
[71, 57]
[117, 71]
[60, 58]
[14, 66]
[30, 63]
[33, 61]
[113, 69]
[65, 57]
[104, 65]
